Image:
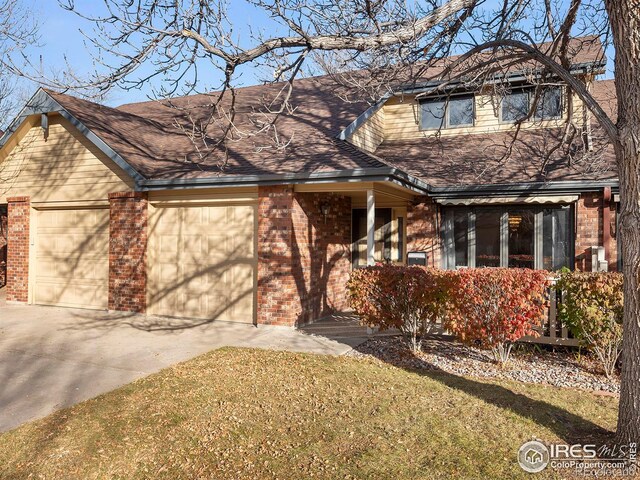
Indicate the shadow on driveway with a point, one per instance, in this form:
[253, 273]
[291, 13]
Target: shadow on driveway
[53, 357]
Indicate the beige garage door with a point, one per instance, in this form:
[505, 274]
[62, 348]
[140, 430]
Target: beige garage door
[72, 258]
[202, 262]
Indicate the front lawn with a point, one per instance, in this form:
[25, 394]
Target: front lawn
[238, 413]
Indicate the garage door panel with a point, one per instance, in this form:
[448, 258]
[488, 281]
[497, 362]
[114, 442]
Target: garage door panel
[211, 251]
[72, 258]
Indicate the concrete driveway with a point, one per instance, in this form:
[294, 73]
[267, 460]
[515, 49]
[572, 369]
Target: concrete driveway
[54, 357]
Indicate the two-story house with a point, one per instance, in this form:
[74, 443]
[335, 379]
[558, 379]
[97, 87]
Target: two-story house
[116, 208]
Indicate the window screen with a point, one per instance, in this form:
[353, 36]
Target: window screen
[433, 114]
[515, 106]
[460, 111]
[549, 104]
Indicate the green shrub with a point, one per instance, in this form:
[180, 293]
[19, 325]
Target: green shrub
[591, 307]
[410, 299]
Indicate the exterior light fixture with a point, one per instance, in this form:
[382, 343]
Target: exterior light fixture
[325, 208]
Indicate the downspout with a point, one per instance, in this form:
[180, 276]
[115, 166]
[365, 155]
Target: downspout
[606, 223]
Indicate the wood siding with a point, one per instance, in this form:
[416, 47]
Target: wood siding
[62, 166]
[399, 119]
[371, 133]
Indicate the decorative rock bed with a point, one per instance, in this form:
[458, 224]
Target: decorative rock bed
[528, 363]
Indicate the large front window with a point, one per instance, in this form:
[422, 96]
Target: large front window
[511, 236]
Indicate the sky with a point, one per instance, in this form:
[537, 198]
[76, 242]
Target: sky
[68, 44]
[61, 38]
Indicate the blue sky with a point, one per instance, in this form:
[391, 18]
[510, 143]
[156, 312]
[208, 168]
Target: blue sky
[61, 38]
[68, 42]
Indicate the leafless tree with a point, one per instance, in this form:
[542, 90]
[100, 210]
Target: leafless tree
[18, 29]
[374, 47]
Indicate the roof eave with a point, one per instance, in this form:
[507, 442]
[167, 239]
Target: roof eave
[516, 76]
[41, 102]
[388, 174]
[516, 189]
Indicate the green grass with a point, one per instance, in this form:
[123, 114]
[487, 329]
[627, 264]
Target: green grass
[238, 413]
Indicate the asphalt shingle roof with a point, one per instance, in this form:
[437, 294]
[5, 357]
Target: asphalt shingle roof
[150, 136]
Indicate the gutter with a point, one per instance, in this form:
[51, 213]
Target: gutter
[515, 76]
[388, 174]
[518, 189]
[42, 103]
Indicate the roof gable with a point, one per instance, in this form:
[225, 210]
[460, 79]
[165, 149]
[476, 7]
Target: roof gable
[44, 102]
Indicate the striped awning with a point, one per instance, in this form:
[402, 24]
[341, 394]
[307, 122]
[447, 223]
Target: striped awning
[534, 199]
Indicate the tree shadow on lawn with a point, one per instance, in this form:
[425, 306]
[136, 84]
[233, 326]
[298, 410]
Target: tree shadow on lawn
[568, 426]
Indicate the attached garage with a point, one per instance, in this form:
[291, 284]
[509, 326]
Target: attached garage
[202, 260]
[71, 257]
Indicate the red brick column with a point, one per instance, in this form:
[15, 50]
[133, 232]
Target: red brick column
[588, 228]
[128, 252]
[303, 258]
[3, 247]
[422, 230]
[322, 254]
[278, 299]
[19, 210]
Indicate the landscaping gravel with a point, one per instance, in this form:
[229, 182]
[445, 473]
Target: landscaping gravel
[528, 363]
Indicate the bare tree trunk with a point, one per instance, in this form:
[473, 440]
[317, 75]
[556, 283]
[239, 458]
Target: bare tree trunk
[625, 24]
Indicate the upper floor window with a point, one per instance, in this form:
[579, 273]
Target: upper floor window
[518, 102]
[451, 112]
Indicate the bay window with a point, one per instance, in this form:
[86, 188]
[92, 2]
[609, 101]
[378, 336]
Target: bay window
[510, 236]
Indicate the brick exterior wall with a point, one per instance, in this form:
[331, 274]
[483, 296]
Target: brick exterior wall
[277, 291]
[19, 209]
[590, 228]
[613, 241]
[303, 262]
[128, 214]
[423, 235]
[4, 223]
[322, 254]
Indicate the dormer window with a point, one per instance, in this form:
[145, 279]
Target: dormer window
[450, 112]
[517, 103]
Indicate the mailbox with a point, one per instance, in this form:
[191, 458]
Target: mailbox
[417, 258]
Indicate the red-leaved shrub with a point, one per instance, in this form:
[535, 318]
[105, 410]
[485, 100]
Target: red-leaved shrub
[410, 299]
[494, 307]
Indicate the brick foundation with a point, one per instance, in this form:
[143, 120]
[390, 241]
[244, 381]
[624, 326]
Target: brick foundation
[423, 219]
[18, 213]
[303, 262]
[128, 251]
